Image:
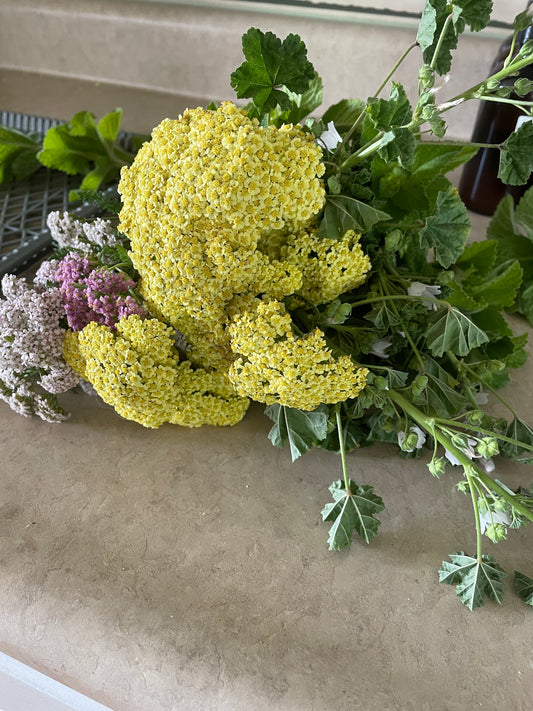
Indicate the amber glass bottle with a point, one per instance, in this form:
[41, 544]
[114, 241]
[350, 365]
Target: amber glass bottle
[480, 188]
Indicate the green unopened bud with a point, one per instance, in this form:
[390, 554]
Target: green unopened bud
[463, 487]
[496, 532]
[381, 383]
[393, 240]
[487, 447]
[474, 417]
[419, 384]
[437, 466]
[334, 185]
[409, 443]
[426, 76]
[501, 506]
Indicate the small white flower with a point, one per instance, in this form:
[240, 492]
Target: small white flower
[330, 138]
[481, 398]
[379, 348]
[421, 439]
[487, 518]
[428, 290]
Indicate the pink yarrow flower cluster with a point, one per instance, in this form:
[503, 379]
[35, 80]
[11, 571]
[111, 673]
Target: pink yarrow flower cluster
[94, 293]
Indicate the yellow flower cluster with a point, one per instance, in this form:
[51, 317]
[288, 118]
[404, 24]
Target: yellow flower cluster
[196, 201]
[328, 267]
[274, 366]
[137, 371]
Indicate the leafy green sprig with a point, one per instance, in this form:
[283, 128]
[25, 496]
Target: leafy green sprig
[82, 146]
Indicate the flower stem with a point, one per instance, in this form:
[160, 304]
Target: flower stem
[340, 432]
[431, 426]
[475, 506]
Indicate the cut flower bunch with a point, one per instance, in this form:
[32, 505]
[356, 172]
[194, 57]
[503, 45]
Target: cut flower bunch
[320, 266]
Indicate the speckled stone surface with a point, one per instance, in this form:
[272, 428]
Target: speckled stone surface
[187, 569]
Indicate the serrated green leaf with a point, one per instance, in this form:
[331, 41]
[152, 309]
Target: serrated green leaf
[516, 160]
[301, 429]
[524, 214]
[479, 256]
[520, 432]
[440, 396]
[454, 331]
[429, 35]
[460, 298]
[474, 580]
[500, 288]
[109, 125]
[524, 587]
[385, 114]
[343, 213]
[271, 64]
[303, 104]
[60, 152]
[18, 154]
[344, 113]
[352, 510]
[476, 13]
[433, 159]
[447, 229]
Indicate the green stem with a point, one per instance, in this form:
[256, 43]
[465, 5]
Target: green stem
[430, 425]
[461, 365]
[501, 100]
[394, 68]
[398, 297]
[475, 506]
[440, 41]
[342, 449]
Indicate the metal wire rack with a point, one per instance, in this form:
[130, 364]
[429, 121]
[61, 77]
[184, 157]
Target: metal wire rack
[24, 205]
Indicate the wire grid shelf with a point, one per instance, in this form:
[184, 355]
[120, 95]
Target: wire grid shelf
[24, 205]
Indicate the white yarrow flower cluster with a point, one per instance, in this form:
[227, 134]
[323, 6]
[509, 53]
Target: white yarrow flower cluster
[78, 235]
[31, 349]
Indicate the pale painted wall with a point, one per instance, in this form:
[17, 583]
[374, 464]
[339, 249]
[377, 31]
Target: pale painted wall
[191, 48]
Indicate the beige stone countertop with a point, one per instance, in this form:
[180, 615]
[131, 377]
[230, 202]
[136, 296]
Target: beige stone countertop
[179, 570]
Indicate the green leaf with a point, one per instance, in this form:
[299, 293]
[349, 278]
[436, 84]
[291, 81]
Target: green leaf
[520, 432]
[500, 288]
[447, 229]
[460, 298]
[18, 154]
[61, 152]
[474, 579]
[83, 147]
[344, 113]
[109, 125]
[271, 64]
[352, 510]
[343, 213]
[476, 13]
[516, 160]
[455, 332]
[429, 34]
[440, 396]
[479, 256]
[433, 159]
[304, 104]
[524, 587]
[301, 429]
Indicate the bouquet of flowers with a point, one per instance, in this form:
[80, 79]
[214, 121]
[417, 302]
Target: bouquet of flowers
[318, 265]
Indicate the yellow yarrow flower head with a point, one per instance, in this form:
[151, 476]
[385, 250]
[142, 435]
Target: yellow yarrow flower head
[330, 267]
[138, 372]
[275, 366]
[196, 201]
